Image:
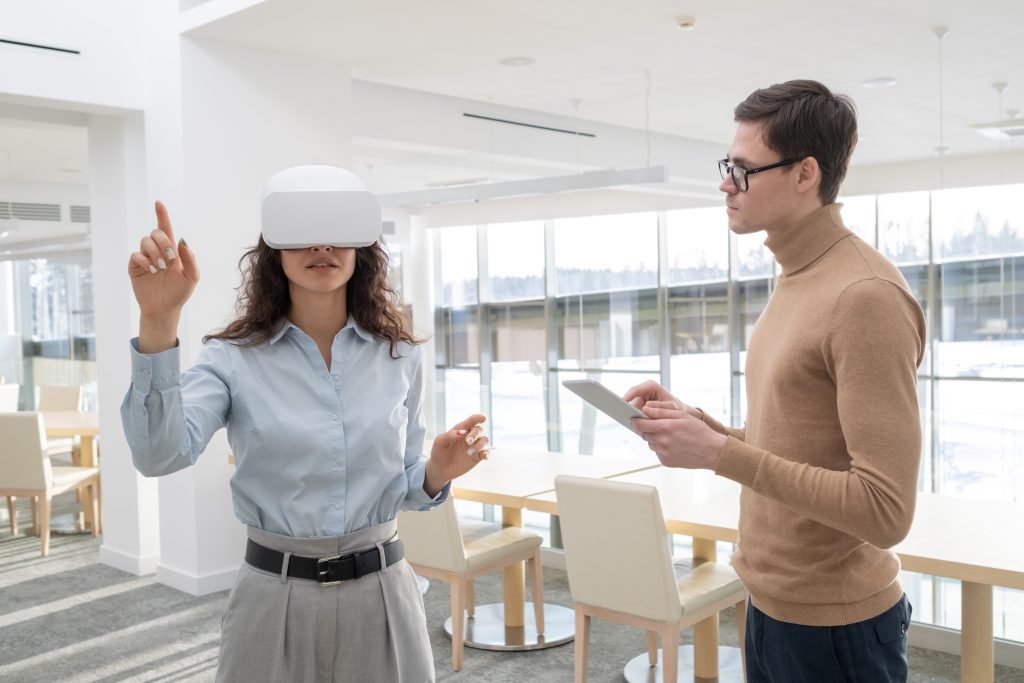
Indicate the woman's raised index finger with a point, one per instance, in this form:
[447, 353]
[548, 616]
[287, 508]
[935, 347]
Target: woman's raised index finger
[163, 221]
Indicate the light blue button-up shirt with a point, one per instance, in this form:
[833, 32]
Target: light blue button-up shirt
[318, 452]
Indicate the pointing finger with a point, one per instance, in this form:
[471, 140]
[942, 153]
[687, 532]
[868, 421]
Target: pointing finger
[163, 221]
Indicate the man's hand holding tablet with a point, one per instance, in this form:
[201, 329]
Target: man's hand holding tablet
[605, 400]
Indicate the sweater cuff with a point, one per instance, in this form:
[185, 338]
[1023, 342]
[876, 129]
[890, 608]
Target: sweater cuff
[739, 462]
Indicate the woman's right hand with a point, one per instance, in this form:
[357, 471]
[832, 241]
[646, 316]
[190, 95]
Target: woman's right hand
[163, 273]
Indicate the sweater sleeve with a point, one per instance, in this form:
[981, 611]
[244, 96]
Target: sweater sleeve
[739, 434]
[872, 349]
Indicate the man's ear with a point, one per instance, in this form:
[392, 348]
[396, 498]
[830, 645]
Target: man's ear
[809, 175]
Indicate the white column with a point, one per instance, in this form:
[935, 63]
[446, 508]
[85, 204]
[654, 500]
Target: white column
[245, 113]
[117, 200]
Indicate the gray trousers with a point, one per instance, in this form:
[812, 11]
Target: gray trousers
[295, 631]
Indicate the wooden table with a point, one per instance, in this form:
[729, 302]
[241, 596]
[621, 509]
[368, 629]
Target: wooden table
[980, 543]
[510, 477]
[86, 426]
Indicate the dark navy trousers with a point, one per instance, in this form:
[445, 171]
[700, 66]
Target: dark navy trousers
[870, 651]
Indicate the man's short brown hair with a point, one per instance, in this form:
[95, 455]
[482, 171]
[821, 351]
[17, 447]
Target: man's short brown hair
[805, 119]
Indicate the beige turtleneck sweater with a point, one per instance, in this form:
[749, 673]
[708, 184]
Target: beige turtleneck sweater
[829, 456]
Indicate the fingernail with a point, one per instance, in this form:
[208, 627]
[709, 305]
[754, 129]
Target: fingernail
[471, 452]
[461, 432]
[152, 268]
[169, 252]
[163, 264]
[184, 243]
[470, 439]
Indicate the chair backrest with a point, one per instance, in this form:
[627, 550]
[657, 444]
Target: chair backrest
[60, 397]
[9, 397]
[23, 463]
[616, 547]
[432, 538]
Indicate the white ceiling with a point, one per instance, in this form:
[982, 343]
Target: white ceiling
[600, 53]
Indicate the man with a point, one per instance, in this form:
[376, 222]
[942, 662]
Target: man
[829, 455]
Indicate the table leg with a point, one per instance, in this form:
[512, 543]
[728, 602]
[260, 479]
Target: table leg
[705, 634]
[514, 581]
[977, 648]
[88, 459]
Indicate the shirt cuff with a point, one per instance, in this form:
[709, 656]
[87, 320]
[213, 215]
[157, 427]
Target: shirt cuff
[417, 496]
[155, 370]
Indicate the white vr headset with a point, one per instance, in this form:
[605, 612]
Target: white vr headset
[306, 206]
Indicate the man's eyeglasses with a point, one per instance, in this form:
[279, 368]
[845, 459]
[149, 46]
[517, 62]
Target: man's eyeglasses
[739, 175]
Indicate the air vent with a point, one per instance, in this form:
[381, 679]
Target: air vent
[30, 212]
[40, 46]
[530, 125]
[80, 214]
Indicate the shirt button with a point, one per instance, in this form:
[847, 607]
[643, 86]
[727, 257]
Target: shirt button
[334, 417]
[337, 506]
[337, 378]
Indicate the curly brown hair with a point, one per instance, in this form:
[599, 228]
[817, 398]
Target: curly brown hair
[264, 298]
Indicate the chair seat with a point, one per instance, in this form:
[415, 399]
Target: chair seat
[486, 543]
[706, 585]
[69, 476]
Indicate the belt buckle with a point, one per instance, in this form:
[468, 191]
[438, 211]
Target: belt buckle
[323, 571]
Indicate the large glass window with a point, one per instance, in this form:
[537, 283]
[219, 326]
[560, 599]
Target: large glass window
[601, 253]
[604, 317]
[56, 338]
[609, 331]
[515, 260]
[519, 343]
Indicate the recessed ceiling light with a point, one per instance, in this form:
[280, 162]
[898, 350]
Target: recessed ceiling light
[70, 170]
[516, 61]
[686, 23]
[881, 82]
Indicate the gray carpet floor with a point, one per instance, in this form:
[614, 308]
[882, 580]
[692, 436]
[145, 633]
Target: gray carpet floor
[69, 618]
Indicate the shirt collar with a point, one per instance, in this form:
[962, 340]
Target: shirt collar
[286, 324]
[802, 243]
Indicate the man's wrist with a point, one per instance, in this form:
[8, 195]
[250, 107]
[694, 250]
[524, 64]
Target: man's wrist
[718, 442]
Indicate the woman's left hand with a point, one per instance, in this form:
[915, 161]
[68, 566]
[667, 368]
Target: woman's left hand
[454, 453]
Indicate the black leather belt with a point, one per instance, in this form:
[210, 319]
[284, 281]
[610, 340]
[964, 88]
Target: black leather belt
[324, 570]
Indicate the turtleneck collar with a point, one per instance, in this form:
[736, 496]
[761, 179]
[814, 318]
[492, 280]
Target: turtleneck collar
[801, 243]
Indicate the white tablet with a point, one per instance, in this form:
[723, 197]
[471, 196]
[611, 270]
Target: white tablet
[605, 400]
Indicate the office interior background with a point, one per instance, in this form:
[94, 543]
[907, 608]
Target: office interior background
[107, 106]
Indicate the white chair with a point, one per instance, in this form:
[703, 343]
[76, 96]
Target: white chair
[54, 397]
[9, 404]
[25, 470]
[439, 546]
[620, 569]
[9, 397]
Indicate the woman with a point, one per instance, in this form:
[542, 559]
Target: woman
[318, 382]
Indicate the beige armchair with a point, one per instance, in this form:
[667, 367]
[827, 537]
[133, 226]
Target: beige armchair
[439, 546]
[61, 397]
[620, 569]
[25, 470]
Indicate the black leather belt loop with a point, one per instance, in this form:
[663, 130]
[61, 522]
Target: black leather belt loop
[328, 570]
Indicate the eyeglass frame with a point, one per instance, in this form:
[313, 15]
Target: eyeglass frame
[726, 166]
